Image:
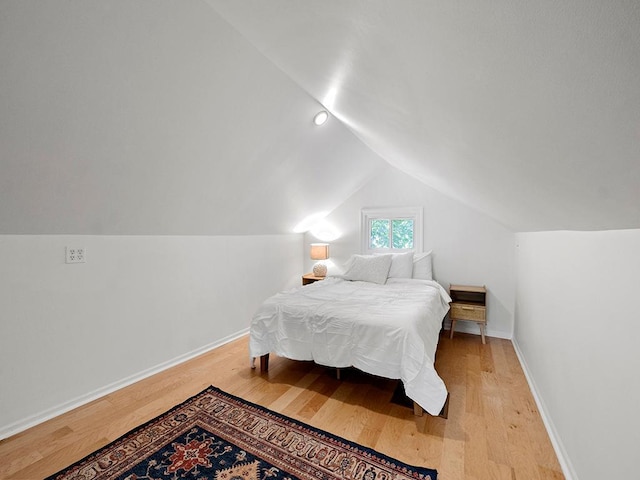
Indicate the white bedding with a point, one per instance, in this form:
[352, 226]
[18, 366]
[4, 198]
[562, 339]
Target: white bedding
[388, 330]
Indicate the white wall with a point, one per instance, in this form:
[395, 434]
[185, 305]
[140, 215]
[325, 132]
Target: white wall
[70, 332]
[577, 332]
[125, 122]
[468, 247]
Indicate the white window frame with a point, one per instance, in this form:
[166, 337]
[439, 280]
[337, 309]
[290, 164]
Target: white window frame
[390, 213]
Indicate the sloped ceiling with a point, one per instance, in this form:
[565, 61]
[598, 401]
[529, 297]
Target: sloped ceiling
[157, 117]
[527, 111]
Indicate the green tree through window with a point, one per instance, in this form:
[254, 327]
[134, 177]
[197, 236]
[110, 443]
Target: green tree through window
[395, 234]
[379, 233]
[402, 233]
[391, 229]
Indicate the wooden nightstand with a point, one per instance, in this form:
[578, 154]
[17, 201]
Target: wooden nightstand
[468, 303]
[308, 278]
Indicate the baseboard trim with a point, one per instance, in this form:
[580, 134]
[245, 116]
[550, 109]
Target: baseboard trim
[565, 463]
[473, 328]
[33, 420]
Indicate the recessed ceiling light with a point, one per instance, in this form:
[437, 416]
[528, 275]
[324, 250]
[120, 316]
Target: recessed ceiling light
[321, 117]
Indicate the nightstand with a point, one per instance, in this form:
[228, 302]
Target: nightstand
[308, 278]
[468, 303]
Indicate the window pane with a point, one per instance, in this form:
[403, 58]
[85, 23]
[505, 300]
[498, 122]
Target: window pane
[402, 231]
[379, 234]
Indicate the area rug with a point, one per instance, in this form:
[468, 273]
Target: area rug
[218, 436]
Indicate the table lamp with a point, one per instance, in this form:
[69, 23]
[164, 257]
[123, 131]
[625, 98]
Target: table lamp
[319, 251]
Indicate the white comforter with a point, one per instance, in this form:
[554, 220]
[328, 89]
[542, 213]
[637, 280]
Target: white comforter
[387, 330]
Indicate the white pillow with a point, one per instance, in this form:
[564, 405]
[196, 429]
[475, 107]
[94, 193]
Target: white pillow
[401, 265]
[422, 266]
[369, 268]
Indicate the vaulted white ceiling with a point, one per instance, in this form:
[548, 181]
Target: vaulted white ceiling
[527, 111]
[157, 117]
[164, 117]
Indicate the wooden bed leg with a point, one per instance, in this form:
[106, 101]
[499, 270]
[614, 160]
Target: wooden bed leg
[444, 413]
[264, 363]
[338, 373]
[253, 363]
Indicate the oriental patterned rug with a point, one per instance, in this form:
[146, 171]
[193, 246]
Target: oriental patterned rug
[217, 436]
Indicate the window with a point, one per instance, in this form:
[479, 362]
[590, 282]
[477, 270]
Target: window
[387, 230]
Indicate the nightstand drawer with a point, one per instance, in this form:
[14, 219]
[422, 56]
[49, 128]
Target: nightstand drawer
[461, 311]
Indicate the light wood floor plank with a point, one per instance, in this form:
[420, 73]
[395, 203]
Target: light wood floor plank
[493, 431]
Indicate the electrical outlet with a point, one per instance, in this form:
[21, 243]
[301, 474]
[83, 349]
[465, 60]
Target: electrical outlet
[76, 255]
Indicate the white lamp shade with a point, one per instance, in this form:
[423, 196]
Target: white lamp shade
[319, 251]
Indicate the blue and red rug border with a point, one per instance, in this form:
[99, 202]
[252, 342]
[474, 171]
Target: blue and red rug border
[414, 471]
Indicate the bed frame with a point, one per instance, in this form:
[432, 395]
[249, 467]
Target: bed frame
[417, 409]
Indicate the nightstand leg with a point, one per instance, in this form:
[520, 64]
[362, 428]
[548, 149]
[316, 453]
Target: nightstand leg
[453, 326]
[482, 333]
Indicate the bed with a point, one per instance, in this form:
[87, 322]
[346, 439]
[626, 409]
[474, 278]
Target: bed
[383, 326]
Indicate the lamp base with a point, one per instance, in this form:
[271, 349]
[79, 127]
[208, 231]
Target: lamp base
[320, 270]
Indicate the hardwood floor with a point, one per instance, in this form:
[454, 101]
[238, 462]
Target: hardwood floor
[494, 430]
